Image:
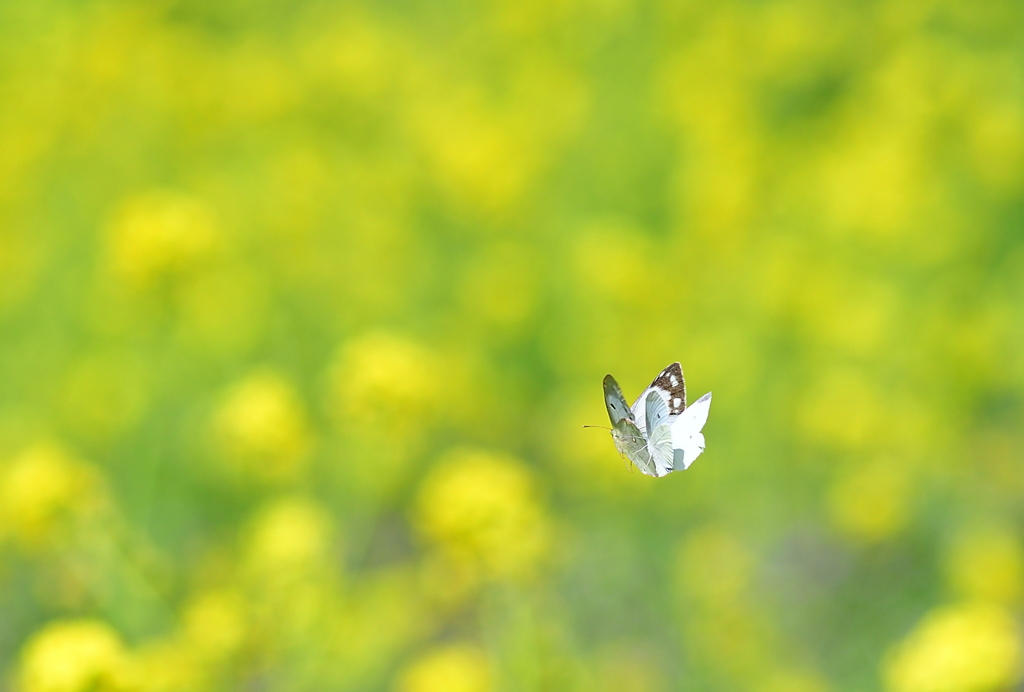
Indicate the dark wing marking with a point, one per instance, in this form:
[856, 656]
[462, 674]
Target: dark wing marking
[670, 381]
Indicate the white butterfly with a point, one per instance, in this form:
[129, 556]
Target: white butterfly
[658, 433]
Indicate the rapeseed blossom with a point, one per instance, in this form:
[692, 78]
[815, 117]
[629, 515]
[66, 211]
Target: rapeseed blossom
[44, 492]
[965, 648]
[451, 668]
[483, 509]
[75, 656]
[261, 428]
[158, 233]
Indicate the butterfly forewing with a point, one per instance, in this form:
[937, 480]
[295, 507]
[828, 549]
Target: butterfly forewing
[618, 410]
[670, 386]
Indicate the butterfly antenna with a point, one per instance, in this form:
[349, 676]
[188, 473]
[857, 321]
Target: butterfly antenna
[597, 426]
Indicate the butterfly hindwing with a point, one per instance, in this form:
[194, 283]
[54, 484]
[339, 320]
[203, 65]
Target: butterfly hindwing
[659, 433]
[687, 439]
[632, 444]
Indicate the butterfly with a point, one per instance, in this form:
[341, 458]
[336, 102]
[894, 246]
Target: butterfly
[659, 433]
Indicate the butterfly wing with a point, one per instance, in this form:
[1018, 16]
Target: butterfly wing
[659, 434]
[630, 440]
[618, 410]
[687, 439]
[632, 444]
[670, 386]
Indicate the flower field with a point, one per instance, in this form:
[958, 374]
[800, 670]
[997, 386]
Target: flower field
[303, 306]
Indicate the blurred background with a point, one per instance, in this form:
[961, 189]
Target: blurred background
[303, 304]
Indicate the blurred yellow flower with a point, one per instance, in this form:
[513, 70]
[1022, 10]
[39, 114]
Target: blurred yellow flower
[74, 656]
[40, 488]
[214, 623]
[875, 181]
[452, 668]
[289, 535]
[843, 408]
[871, 501]
[262, 429]
[479, 155]
[482, 508]
[487, 147]
[159, 232]
[386, 378]
[966, 648]
[987, 564]
[355, 53]
[386, 391]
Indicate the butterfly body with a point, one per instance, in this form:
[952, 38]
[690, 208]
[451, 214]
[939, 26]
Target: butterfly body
[658, 433]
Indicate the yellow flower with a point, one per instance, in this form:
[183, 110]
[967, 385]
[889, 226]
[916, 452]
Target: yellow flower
[261, 427]
[288, 535]
[967, 648]
[482, 508]
[39, 488]
[157, 233]
[354, 54]
[844, 409]
[74, 656]
[382, 377]
[987, 564]
[386, 391]
[454, 668]
[871, 501]
[214, 623]
[478, 155]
